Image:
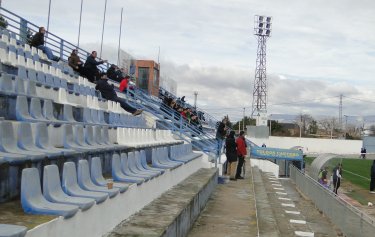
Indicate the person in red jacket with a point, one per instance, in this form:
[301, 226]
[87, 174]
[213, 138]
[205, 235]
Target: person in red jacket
[241, 153]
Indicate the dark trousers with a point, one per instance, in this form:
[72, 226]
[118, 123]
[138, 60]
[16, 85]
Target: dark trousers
[372, 184]
[125, 105]
[241, 160]
[336, 185]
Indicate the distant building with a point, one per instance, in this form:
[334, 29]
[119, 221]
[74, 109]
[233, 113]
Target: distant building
[147, 74]
[291, 128]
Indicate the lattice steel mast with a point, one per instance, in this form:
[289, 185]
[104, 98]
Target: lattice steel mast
[262, 30]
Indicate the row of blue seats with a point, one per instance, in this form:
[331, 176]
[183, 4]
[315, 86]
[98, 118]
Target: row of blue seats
[36, 146]
[81, 188]
[17, 53]
[49, 80]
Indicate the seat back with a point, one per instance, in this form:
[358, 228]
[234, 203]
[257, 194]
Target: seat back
[36, 109]
[7, 141]
[96, 170]
[22, 108]
[51, 181]
[69, 177]
[25, 138]
[30, 188]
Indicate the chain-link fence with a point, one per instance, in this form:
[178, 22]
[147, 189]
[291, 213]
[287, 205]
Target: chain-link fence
[349, 219]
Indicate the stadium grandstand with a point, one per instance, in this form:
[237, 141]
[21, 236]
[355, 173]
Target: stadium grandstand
[73, 163]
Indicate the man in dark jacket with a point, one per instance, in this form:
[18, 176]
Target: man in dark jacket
[220, 136]
[75, 62]
[372, 182]
[231, 154]
[91, 70]
[114, 73]
[38, 42]
[108, 92]
[337, 176]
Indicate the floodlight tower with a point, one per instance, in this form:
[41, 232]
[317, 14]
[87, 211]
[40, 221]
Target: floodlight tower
[262, 29]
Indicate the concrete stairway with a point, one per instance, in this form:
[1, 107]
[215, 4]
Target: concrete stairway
[174, 212]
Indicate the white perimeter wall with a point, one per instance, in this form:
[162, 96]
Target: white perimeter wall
[102, 218]
[312, 145]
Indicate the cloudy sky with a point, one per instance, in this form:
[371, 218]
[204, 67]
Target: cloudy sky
[319, 49]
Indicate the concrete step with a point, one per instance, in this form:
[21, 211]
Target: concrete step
[266, 220]
[174, 212]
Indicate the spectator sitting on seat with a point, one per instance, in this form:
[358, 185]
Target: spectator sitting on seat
[108, 92]
[114, 73]
[38, 42]
[75, 62]
[91, 70]
[124, 83]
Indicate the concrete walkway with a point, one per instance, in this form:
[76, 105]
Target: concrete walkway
[230, 212]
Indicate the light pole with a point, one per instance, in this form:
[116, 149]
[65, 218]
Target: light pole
[270, 124]
[195, 99]
[243, 124]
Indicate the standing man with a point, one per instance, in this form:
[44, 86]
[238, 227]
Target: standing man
[337, 175]
[231, 153]
[372, 182]
[363, 152]
[220, 136]
[241, 153]
[91, 70]
[38, 42]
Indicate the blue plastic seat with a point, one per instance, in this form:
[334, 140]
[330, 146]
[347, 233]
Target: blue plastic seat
[129, 170]
[132, 163]
[99, 139]
[53, 192]
[90, 139]
[138, 164]
[12, 230]
[97, 176]
[155, 160]
[34, 202]
[146, 166]
[8, 143]
[87, 115]
[85, 182]
[79, 136]
[6, 84]
[42, 141]
[49, 82]
[106, 140]
[26, 141]
[48, 112]
[19, 86]
[71, 187]
[41, 78]
[31, 75]
[68, 114]
[119, 176]
[22, 109]
[36, 110]
[56, 83]
[31, 88]
[70, 141]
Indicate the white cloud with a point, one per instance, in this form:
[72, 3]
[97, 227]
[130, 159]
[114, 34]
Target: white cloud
[319, 48]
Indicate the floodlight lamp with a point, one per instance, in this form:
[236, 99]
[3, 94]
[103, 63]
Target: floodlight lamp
[269, 19]
[260, 18]
[260, 31]
[268, 32]
[268, 26]
[260, 25]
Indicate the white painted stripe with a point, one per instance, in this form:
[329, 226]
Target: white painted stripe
[304, 234]
[288, 199]
[272, 178]
[293, 212]
[278, 185]
[273, 181]
[281, 193]
[278, 188]
[298, 221]
[288, 205]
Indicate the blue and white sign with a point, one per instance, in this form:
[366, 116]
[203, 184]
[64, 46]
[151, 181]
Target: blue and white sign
[276, 153]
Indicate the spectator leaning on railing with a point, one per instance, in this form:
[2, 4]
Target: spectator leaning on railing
[38, 42]
[91, 70]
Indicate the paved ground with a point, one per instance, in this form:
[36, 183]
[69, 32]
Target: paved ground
[230, 212]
